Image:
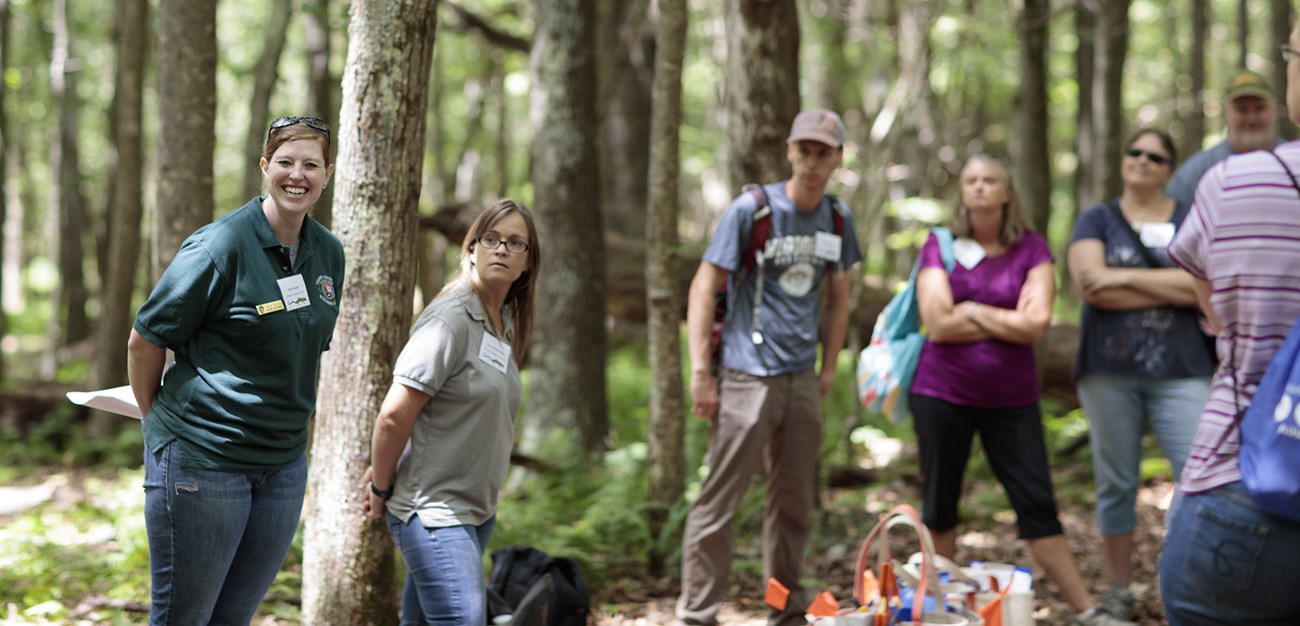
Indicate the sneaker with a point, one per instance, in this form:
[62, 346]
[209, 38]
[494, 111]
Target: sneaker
[1119, 601]
[1099, 616]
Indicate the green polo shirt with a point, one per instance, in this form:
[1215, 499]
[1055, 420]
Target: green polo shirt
[248, 331]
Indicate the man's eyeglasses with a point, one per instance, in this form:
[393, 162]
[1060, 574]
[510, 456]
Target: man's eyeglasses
[289, 120]
[1158, 159]
[513, 246]
[1288, 53]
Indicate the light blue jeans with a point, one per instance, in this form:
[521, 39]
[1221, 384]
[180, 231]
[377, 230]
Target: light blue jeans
[444, 572]
[1226, 561]
[216, 539]
[1119, 408]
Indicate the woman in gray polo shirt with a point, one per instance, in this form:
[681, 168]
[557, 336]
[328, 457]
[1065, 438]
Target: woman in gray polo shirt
[248, 305]
[454, 397]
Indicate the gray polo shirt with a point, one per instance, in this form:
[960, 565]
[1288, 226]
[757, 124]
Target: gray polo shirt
[456, 462]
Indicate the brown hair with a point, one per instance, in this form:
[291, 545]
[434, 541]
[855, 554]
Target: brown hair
[519, 299]
[1166, 142]
[1014, 222]
[277, 137]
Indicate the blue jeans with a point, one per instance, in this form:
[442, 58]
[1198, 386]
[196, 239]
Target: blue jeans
[1119, 408]
[444, 572]
[216, 539]
[1226, 561]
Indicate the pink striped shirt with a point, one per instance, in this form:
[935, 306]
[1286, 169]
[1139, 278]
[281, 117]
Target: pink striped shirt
[1243, 237]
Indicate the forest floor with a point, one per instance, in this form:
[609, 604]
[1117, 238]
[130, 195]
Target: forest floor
[842, 523]
[994, 541]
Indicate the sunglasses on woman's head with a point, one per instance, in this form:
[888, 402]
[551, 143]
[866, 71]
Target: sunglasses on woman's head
[289, 120]
[1158, 159]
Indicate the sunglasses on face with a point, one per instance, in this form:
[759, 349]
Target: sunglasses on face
[314, 123]
[1158, 159]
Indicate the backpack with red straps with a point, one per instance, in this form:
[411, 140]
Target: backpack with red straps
[759, 233]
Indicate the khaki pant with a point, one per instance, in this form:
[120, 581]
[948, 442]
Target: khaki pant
[774, 420]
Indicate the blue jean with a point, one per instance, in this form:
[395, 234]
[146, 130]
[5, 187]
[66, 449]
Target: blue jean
[1119, 408]
[216, 539]
[444, 572]
[1226, 561]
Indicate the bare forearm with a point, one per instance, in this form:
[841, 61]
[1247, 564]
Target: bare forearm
[144, 368]
[837, 323]
[700, 310]
[386, 445]
[956, 326]
[1170, 286]
[1010, 325]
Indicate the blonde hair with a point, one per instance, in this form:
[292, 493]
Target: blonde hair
[1014, 222]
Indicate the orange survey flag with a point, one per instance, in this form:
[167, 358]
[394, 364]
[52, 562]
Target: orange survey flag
[824, 605]
[776, 595]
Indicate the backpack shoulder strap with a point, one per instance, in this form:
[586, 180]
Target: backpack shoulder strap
[760, 229]
[945, 246]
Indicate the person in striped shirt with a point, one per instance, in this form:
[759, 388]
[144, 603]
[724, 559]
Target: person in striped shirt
[1226, 561]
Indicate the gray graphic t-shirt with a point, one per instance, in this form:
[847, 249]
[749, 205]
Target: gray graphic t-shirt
[801, 248]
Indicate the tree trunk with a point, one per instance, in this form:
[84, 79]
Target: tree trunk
[1034, 165]
[567, 389]
[1281, 35]
[666, 459]
[67, 215]
[128, 207]
[1243, 34]
[264, 77]
[1108, 103]
[761, 88]
[624, 75]
[1195, 119]
[348, 561]
[4, 163]
[323, 94]
[1085, 32]
[187, 107]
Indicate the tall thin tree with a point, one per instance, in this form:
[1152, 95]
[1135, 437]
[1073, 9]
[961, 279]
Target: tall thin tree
[1195, 119]
[666, 460]
[1033, 163]
[1280, 34]
[761, 88]
[1108, 103]
[1085, 141]
[568, 353]
[187, 107]
[1243, 34]
[128, 207]
[624, 75]
[323, 94]
[264, 77]
[348, 561]
[4, 161]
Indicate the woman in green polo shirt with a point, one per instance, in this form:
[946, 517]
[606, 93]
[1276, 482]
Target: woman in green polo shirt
[454, 397]
[248, 305]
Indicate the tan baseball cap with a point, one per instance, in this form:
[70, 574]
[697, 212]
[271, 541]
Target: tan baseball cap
[819, 125]
[1248, 83]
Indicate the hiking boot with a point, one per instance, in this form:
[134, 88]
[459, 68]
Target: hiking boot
[1100, 616]
[1119, 601]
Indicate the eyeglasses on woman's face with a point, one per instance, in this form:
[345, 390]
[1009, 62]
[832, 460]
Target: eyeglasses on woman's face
[1137, 153]
[513, 246]
[314, 123]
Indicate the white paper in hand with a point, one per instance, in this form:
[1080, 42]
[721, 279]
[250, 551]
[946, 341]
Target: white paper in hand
[117, 400]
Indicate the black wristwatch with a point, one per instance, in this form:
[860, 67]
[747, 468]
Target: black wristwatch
[379, 492]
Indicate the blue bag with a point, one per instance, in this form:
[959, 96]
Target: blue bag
[888, 363]
[1270, 434]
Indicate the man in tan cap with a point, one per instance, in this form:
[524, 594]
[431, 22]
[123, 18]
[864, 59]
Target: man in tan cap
[765, 399]
[1250, 113]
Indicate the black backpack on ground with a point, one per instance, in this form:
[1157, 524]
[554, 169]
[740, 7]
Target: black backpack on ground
[516, 570]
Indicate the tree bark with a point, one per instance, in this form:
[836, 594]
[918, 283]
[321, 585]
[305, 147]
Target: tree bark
[1195, 119]
[567, 389]
[1281, 35]
[1085, 31]
[1243, 34]
[323, 95]
[4, 169]
[264, 77]
[1034, 165]
[666, 459]
[624, 75]
[67, 216]
[761, 88]
[128, 205]
[187, 107]
[1108, 103]
[348, 561]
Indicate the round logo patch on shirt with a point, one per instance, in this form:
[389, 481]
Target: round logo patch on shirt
[326, 286]
[798, 279]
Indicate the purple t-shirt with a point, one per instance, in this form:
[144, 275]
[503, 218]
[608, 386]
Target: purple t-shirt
[991, 372]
